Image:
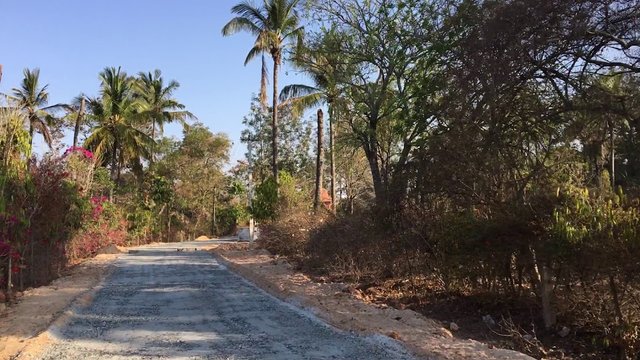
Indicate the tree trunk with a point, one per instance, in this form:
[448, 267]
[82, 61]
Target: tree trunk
[120, 163]
[168, 225]
[612, 138]
[378, 186]
[30, 137]
[545, 290]
[616, 300]
[214, 223]
[9, 278]
[332, 159]
[153, 137]
[114, 161]
[31, 262]
[319, 162]
[76, 130]
[274, 121]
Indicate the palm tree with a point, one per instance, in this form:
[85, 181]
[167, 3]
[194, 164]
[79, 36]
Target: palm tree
[275, 25]
[76, 111]
[326, 69]
[115, 138]
[157, 104]
[32, 99]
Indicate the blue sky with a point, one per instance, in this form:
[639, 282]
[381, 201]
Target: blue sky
[71, 41]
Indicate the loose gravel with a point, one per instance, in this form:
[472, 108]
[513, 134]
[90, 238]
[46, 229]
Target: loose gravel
[174, 302]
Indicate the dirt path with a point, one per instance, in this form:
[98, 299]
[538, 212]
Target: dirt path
[163, 303]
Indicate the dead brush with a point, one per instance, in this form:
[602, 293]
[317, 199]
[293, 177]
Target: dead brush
[289, 235]
[521, 339]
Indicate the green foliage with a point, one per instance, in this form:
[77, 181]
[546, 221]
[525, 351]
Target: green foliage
[603, 227]
[294, 142]
[231, 216]
[160, 189]
[265, 204]
[102, 183]
[116, 137]
[268, 203]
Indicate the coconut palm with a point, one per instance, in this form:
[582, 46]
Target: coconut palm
[32, 99]
[326, 69]
[157, 105]
[116, 137]
[75, 115]
[276, 25]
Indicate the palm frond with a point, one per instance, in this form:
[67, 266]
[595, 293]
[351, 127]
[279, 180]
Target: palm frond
[248, 11]
[255, 51]
[239, 24]
[299, 104]
[40, 126]
[297, 90]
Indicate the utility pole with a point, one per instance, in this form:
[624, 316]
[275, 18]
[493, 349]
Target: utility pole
[249, 140]
[250, 192]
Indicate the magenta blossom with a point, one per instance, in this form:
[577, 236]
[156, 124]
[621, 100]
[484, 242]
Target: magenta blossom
[78, 149]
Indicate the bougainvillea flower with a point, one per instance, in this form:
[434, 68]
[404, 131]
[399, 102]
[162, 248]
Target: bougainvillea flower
[78, 149]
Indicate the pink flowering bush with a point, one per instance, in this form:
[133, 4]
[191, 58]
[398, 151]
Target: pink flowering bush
[97, 203]
[51, 220]
[79, 150]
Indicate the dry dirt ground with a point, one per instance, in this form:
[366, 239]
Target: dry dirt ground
[335, 304]
[22, 324]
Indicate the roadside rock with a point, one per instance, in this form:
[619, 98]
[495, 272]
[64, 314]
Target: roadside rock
[564, 332]
[453, 326]
[109, 250]
[488, 320]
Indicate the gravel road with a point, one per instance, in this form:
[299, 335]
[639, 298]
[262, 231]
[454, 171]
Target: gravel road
[163, 303]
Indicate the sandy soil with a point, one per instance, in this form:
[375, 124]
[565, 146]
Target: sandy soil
[335, 304]
[22, 324]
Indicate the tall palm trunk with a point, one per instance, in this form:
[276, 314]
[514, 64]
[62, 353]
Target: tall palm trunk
[114, 161]
[319, 161]
[332, 159]
[274, 122]
[76, 130]
[153, 137]
[30, 136]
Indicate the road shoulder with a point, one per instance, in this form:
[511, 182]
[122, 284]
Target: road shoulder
[334, 304]
[23, 325]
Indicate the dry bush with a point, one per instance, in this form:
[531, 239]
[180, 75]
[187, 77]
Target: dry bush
[353, 248]
[289, 234]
